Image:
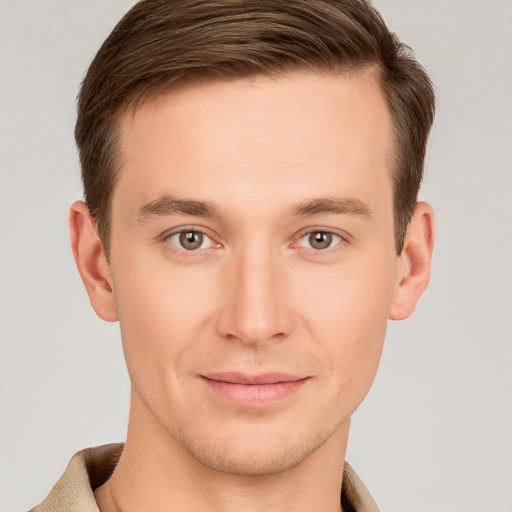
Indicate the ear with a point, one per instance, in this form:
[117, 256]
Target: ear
[413, 270]
[91, 262]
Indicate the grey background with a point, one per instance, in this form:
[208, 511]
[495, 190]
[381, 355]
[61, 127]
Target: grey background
[435, 433]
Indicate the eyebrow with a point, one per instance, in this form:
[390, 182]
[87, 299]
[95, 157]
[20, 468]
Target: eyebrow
[169, 205]
[339, 206]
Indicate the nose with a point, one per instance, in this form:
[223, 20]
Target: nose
[254, 307]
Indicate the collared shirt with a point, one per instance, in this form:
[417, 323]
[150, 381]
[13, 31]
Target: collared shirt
[90, 468]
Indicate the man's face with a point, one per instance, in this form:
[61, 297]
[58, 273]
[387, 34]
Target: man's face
[253, 262]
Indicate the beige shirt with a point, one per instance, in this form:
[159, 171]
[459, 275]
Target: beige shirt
[91, 467]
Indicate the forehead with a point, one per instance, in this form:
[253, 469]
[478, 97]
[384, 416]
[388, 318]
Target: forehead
[258, 138]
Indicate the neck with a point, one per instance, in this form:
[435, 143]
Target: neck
[156, 473]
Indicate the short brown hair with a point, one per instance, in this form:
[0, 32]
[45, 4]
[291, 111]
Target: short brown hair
[160, 44]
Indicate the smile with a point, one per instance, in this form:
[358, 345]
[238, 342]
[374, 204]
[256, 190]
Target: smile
[253, 391]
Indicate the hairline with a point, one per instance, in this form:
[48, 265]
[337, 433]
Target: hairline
[143, 96]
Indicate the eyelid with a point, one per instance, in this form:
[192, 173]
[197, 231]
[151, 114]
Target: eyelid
[342, 238]
[196, 229]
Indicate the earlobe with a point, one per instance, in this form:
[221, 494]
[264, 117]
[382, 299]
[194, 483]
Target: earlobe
[413, 271]
[91, 262]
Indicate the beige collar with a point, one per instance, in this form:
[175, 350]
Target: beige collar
[91, 467]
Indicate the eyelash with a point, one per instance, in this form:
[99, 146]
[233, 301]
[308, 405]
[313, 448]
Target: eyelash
[336, 238]
[195, 231]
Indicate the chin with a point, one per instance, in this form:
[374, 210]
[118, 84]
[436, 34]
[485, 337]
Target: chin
[254, 454]
[256, 461]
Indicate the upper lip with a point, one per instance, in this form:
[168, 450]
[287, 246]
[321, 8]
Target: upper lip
[242, 378]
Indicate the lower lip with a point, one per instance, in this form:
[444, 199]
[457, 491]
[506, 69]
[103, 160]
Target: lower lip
[253, 395]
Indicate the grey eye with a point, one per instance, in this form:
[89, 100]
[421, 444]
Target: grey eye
[191, 240]
[320, 240]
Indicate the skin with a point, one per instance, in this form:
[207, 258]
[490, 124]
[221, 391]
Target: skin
[260, 295]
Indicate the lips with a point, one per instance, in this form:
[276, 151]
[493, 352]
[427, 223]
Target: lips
[240, 378]
[253, 390]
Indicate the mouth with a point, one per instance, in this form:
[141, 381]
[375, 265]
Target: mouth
[253, 390]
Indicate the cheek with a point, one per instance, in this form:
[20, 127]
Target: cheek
[161, 312]
[346, 309]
